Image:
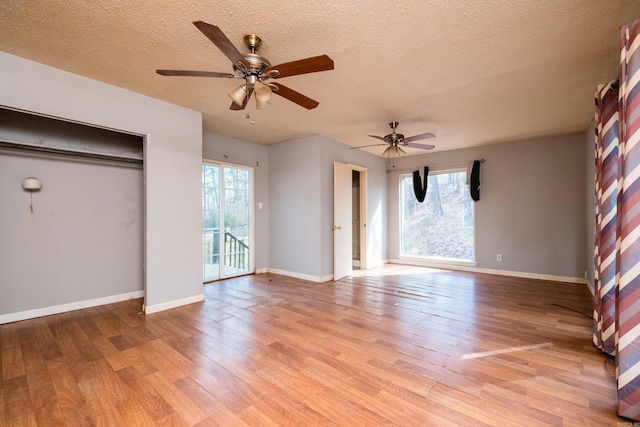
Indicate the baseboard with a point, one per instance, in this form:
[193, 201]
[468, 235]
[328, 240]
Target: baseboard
[522, 274]
[317, 279]
[149, 309]
[63, 308]
[380, 263]
[592, 289]
[448, 266]
[262, 270]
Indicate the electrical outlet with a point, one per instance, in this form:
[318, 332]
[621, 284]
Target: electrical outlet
[499, 257]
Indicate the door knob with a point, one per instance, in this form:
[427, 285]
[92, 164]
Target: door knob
[336, 227]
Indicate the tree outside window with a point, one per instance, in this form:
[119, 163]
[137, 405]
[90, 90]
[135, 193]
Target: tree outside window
[442, 227]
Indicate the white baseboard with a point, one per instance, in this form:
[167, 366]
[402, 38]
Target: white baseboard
[149, 309]
[460, 267]
[63, 308]
[327, 278]
[318, 279]
[380, 263]
[262, 270]
[592, 289]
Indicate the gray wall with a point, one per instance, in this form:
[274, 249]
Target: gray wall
[301, 205]
[531, 208]
[83, 239]
[228, 150]
[295, 209]
[172, 172]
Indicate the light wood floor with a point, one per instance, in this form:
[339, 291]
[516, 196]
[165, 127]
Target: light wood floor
[392, 346]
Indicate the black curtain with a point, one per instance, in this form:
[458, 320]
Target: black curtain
[474, 181]
[419, 188]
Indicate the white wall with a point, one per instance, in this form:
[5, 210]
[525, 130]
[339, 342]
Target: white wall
[531, 208]
[228, 150]
[173, 156]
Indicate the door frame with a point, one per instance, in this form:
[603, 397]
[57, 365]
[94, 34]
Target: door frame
[363, 213]
[363, 218]
[252, 215]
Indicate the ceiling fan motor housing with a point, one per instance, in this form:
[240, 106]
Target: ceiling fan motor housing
[257, 63]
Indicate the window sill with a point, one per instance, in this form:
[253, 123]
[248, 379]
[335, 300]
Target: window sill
[435, 262]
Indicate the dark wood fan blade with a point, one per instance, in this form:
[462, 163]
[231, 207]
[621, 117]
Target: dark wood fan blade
[302, 66]
[419, 137]
[378, 137]
[421, 146]
[365, 146]
[296, 97]
[194, 73]
[236, 107]
[218, 38]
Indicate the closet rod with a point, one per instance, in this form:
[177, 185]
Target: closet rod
[20, 146]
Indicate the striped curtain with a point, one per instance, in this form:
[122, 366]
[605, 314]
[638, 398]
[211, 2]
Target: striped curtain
[607, 122]
[628, 289]
[617, 252]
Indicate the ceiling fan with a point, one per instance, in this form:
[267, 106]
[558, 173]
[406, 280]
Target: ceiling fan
[395, 141]
[255, 70]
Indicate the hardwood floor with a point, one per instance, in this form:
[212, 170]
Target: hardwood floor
[397, 345]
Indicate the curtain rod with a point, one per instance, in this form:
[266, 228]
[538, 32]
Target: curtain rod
[448, 165]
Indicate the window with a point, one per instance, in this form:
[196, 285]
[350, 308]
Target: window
[442, 227]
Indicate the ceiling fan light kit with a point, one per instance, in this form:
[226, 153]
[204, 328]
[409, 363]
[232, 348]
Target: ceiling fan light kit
[393, 151]
[239, 95]
[256, 70]
[262, 104]
[263, 95]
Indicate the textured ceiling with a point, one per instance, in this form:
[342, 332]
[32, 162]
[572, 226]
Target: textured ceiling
[472, 72]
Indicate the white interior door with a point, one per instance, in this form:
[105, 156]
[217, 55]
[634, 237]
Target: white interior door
[342, 234]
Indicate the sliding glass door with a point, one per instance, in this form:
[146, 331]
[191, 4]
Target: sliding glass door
[227, 223]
